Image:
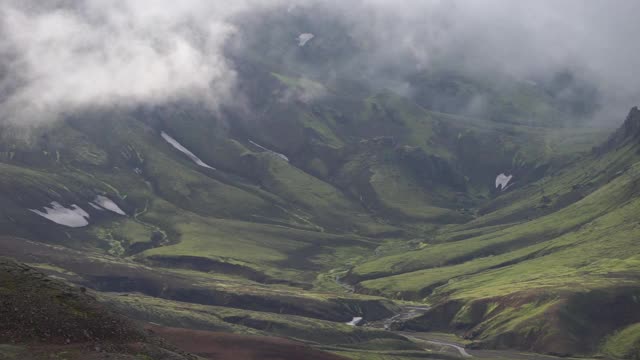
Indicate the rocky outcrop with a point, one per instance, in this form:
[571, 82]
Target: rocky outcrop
[559, 323]
[629, 131]
[631, 127]
[46, 318]
[34, 307]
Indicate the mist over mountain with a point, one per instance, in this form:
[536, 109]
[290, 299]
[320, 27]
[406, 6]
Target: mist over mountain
[330, 180]
[63, 56]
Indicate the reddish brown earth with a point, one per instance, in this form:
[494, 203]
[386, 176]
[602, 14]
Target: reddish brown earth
[221, 346]
[41, 317]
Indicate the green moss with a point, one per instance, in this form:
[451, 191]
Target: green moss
[259, 218]
[513, 241]
[521, 319]
[464, 316]
[400, 192]
[625, 344]
[265, 248]
[214, 318]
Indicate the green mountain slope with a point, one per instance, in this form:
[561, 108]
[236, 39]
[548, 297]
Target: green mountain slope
[558, 277]
[323, 204]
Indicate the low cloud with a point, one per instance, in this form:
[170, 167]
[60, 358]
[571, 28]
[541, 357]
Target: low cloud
[69, 55]
[62, 56]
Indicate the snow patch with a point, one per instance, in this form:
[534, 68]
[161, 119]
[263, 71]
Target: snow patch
[95, 206]
[355, 321]
[502, 181]
[303, 39]
[107, 204]
[281, 156]
[184, 150]
[74, 216]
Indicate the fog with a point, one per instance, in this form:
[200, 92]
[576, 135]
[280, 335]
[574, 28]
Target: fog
[66, 55]
[57, 57]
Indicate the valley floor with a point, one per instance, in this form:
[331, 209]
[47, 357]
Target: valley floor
[296, 240]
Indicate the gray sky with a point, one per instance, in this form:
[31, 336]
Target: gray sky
[66, 55]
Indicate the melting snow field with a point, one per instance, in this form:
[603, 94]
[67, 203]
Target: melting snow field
[281, 156]
[355, 321]
[184, 150]
[502, 181]
[303, 39]
[104, 202]
[73, 216]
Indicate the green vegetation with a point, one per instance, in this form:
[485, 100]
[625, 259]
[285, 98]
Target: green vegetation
[625, 344]
[215, 318]
[377, 200]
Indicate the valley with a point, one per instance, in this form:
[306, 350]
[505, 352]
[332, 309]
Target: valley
[256, 257]
[307, 190]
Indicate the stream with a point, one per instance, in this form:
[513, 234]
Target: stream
[410, 312]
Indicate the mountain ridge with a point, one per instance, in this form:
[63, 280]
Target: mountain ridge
[318, 198]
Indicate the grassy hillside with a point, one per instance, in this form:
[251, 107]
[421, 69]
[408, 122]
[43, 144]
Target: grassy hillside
[322, 205]
[625, 344]
[562, 248]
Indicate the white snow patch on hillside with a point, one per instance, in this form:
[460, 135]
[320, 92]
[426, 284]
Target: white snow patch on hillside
[74, 216]
[355, 321]
[281, 156]
[95, 206]
[502, 181]
[303, 39]
[106, 203]
[184, 150]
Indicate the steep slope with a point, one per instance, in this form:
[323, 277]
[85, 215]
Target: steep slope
[625, 344]
[266, 208]
[42, 317]
[339, 204]
[359, 167]
[554, 271]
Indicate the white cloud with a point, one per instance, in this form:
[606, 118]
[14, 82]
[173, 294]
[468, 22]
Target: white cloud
[98, 52]
[64, 55]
